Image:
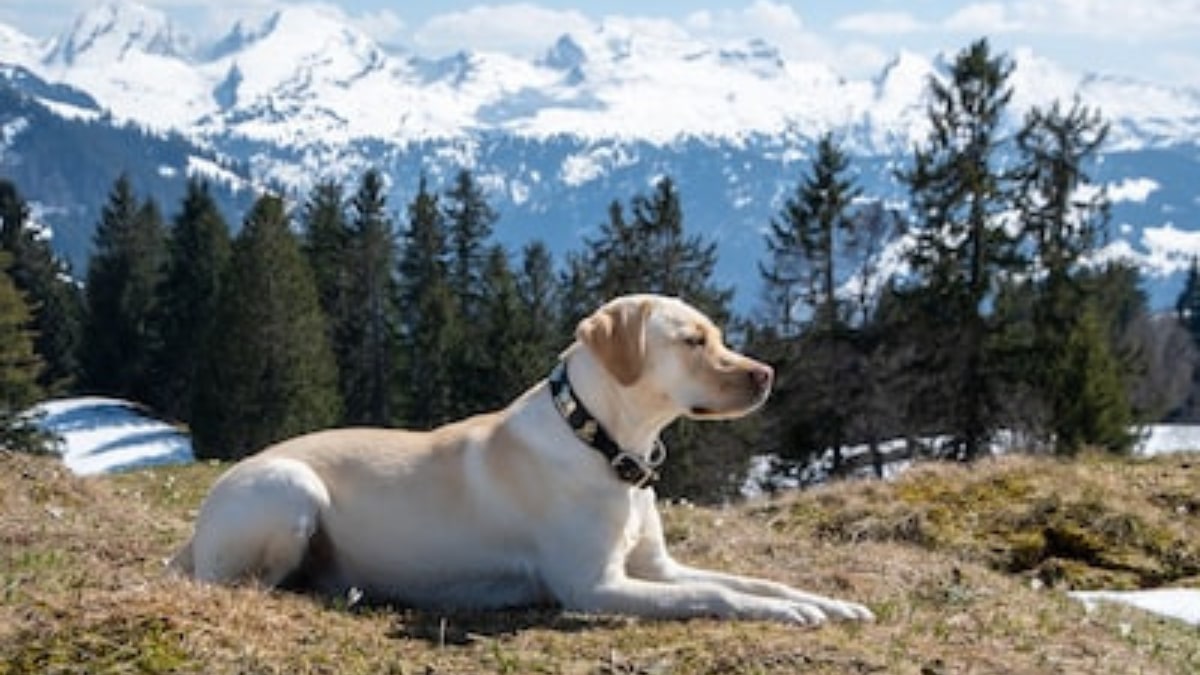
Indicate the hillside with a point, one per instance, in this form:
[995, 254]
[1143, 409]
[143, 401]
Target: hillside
[965, 568]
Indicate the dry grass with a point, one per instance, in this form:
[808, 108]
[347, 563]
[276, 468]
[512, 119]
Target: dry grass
[964, 567]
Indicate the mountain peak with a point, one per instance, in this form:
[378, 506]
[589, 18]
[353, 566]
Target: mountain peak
[566, 54]
[109, 31]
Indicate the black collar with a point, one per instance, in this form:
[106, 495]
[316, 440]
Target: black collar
[632, 468]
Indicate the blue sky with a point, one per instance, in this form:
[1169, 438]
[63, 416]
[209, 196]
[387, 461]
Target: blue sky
[1154, 40]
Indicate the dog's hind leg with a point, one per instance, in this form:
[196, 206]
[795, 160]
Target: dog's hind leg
[256, 524]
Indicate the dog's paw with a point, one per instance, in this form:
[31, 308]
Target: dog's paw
[778, 610]
[847, 611]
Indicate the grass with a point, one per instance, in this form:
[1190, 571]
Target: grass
[964, 566]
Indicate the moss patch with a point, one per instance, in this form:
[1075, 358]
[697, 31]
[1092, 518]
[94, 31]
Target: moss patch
[1094, 522]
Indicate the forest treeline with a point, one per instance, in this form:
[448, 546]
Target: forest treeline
[344, 309]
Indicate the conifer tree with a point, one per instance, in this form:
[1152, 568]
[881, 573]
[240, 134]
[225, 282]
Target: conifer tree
[367, 372]
[1063, 220]
[1091, 406]
[577, 295]
[198, 251]
[1187, 305]
[812, 234]
[430, 325]
[469, 221]
[326, 244]
[272, 373]
[506, 330]
[683, 265]
[52, 295]
[19, 363]
[812, 237]
[122, 284]
[651, 253]
[540, 298]
[962, 248]
[619, 259]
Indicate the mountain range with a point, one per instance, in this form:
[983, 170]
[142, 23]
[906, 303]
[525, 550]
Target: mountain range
[553, 139]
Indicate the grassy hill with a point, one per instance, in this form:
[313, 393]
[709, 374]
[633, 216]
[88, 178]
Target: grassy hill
[965, 567]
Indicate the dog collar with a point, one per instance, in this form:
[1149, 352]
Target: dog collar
[632, 468]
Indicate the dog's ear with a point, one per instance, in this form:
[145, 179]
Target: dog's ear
[616, 334]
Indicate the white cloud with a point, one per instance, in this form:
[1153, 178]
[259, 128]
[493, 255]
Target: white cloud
[777, 23]
[984, 18]
[761, 16]
[522, 29]
[383, 26]
[1094, 18]
[881, 23]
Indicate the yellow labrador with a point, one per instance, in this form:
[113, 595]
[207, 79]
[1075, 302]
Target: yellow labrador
[544, 501]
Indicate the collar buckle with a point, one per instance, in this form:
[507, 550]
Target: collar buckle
[634, 470]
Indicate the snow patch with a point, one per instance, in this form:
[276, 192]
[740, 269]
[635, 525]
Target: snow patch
[1136, 190]
[1182, 604]
[106, 435]
[1168, 439]
[207, 168]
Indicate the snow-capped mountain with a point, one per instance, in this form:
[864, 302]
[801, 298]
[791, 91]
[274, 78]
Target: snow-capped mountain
[597, 116]
[307, 76]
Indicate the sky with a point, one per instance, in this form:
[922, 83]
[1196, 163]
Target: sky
[1153, 40]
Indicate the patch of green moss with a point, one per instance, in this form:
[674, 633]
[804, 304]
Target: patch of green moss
[1034, 518]
[146, 645]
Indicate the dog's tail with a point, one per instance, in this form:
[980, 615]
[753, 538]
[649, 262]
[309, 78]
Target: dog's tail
[182, 563]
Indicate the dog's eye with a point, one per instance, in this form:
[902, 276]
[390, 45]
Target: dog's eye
[695, 341]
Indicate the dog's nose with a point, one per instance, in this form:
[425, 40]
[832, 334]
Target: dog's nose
[762, 375]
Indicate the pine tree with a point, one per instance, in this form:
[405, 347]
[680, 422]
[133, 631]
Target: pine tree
[1063, 220]
[272, 373]
[683, 265]
[430, 325]
[19, 364]
[45, 280]
[506, 330]
[813, 235]
[368, 369]
[540, 298]
[577, 297]
[810, 237]
[1091, 406]
[326, 244]
[1187, 306]
[652, 254]
[198, 251]
[469, 220]
[619, 259]
[122, 284]
[962, 247]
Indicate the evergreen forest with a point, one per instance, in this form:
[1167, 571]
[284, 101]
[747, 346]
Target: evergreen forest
[340, 308]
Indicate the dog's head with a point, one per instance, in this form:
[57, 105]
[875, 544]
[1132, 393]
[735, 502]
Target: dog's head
[670, 351]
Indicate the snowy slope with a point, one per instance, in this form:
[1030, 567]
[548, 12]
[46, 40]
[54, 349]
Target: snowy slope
[104, 435]
[1182, 604]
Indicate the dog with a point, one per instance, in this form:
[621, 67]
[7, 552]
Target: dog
[546, 502]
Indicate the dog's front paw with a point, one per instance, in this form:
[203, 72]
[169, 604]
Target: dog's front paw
[848, 611]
